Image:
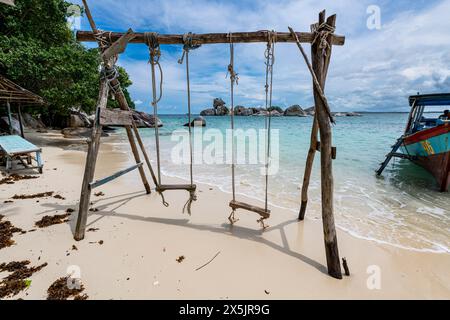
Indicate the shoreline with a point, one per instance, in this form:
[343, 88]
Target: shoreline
[249, 262]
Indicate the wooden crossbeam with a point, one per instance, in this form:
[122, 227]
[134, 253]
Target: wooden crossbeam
[115, 117]
[114, 176]
[245, 206]
[214, 38]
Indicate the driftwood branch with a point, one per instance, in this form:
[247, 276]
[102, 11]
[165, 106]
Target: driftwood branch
[208, 261]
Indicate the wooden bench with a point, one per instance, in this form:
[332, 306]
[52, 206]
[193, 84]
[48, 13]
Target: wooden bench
[17, 148]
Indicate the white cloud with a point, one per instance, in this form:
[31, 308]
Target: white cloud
[375, 69]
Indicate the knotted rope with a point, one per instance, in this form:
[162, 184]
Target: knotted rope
[321, 34]
[111, 74]
[109, 70]
[233, 80]
[103, 39]
[189, 44]
[270, 60]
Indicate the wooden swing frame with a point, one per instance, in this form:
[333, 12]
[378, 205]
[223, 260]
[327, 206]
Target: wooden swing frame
[321, 55]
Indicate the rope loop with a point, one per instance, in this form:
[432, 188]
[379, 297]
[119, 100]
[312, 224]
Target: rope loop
[151, 39]
[189, 44]
[188, 204]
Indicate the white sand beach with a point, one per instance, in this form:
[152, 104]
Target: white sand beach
[141, 241]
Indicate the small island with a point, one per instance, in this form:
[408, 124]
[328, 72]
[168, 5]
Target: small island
[219, 108]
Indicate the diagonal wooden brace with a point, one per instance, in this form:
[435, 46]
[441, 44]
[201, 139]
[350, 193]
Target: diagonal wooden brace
[119, 46]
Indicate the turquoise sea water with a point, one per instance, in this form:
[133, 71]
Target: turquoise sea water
[402, 208]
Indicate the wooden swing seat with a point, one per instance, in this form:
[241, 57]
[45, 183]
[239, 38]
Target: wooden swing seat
[165, 187]
[245, 206]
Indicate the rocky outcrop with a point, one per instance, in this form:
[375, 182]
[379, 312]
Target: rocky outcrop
[275, 113]
[310, 111]
[353, 114]
[219, 109]
[261, 113]
[275, 108]
[197, 122]
[4, 124]
[218, 102]
[79, 132]
[346, 114]
[222, 111]
[295, 111]
[208, 112]
[243, 111]
[31, 122]
[145, 120]
[79, 119]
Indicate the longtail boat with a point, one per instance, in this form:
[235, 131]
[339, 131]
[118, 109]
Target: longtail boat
[426, 140]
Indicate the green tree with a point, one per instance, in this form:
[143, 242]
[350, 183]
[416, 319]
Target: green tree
[38, 51]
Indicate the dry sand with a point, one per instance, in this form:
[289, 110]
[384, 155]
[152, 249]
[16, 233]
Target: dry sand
[142, 241]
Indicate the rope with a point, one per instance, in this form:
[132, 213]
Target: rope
[111, 74]
[155, 53]
[233, 80]
[270, 60]
[322, 32]
[189, 44]
[103, 38]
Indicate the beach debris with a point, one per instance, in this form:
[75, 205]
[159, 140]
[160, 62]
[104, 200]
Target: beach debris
[52, 220]
[74, 247]
[7, 231]
[180, 259]
[208, 261]
[99, 194]
[15, 177]
[17, 280]
[70, 210]
[345, 265]
[33, 196]
[100, 242]
[93, 209]
[267, 292]
[59, 290]
[156, 283]
[8, 201]
[60, 197]
[92, 229]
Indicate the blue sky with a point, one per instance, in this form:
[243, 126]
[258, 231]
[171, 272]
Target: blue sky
[376, 70]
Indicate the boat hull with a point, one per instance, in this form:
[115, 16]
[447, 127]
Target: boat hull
[431, 149]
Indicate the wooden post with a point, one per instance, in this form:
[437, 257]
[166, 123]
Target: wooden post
[19, 111]
[91, 159]
[319, 62]
[308, 167]
[120, 97]
[8, 107]
[315, 127]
